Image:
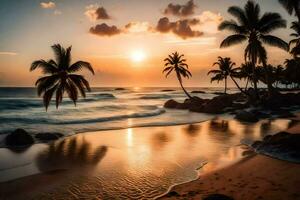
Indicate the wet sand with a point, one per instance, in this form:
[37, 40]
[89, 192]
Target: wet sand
[254, 177]
[136, 163]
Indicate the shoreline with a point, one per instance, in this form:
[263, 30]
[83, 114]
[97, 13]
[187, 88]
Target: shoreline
[277, 172]
[55, 178]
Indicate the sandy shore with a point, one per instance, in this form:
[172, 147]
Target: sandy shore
[255, 177]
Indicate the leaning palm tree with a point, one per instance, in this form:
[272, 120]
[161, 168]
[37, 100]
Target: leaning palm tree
[61, 77]
[295, 43]
[254, 28]
[175, 62]
[291, 6]
[226, 68]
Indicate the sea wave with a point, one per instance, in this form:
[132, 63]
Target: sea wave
[155, 96]
[156, 112]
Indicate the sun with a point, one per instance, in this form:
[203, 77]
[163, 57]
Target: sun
[138, 56]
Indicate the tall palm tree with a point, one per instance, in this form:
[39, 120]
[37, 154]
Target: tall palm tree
[61, 76]
[291, 6]
[295, 50]
[254, 28]
[175, 62]
[226, 68]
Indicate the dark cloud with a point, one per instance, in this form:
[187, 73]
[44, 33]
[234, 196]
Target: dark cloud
[101, 13]
[181, 10]
[181, 28]
[105, 30]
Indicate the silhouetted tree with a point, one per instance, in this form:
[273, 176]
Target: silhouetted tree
[254, 28]
[246, 72]
[292, 7]
[175, 62]
[226, 68]
[61, 76]
[295, 43]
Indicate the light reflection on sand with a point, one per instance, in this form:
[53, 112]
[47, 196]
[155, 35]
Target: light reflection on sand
[132, 163]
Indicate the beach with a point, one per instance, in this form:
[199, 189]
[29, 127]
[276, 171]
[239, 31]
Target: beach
[253, 177]
[135, 163]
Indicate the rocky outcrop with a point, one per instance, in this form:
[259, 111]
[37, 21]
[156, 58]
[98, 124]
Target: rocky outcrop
[246, 116]
[279, 100]
[48, 136]
[217, 105]
[282, 145]
[19, 138]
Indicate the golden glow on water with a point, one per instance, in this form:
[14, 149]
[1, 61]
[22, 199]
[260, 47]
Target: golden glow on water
[140, 162]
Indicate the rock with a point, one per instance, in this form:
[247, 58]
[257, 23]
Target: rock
[119, 89]
[217, 197]
[246, 116]
[218, 93]
[48, 136]
[167, 90]
[173, 194]
[256, 144]
[282, 145]
[261, 115]
[215, 105]
[198, 92]
[19, 137]
[171, 104]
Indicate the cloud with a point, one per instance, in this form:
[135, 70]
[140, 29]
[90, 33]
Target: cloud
[181, 28]
[137, 27]
[48, 5]
[105, 30]
[7, 53]
[181, 10]
[209, 21]
[94, 12]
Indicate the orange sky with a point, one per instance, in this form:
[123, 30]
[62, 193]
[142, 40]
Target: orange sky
[36, 26]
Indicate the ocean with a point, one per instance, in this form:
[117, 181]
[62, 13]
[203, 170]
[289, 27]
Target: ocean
[102, 109]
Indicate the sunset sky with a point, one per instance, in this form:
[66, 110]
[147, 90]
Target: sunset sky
[125, 41]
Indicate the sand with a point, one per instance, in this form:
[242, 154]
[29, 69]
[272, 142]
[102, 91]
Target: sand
[255, 177]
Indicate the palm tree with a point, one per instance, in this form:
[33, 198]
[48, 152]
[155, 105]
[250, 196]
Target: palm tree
[246, 72]
[295, 51]
[60, 76]
[292, 6]
[226, 68]
[175, 62]
[254, 28]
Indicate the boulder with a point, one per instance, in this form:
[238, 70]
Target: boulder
[216, 105]
[246, 116]
[282, 145]
[168, 90]
[171, 104]
[19, 137]
[120, 89]
[48, 136]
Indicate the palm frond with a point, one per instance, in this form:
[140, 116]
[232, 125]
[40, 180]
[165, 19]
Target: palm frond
[274, 41]
[232, 40]
[47, 67]
[79, 65]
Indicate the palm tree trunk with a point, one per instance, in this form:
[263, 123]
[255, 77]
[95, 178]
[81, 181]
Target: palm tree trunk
[237, 85]
[268, 79]
[247, 84]
[255, 79]
[186, 93]
[225, 85]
